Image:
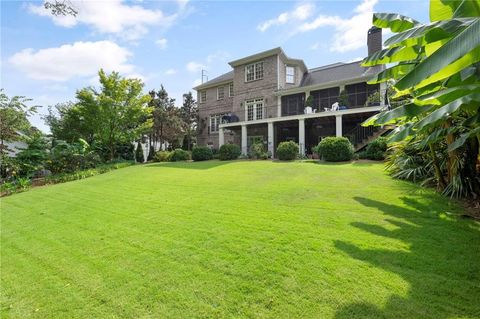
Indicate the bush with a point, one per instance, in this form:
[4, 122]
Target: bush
[229, 152]
[179, 155]
[151, 153]
[70, 157]
[202, 153]
[376, 150]
[287, 151]
[162, 156]
[257, 151]
[335, 149]
[139, 157]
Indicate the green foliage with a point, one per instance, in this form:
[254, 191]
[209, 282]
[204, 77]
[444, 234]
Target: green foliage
[69, 157]
[373, 98]
[139, 157]
[34, 156]
[309, 101]
[162, 156]
[376, 150]
[343, 98]
[287, 151]
[14, 114]
[335, 149]
[189, 116]
[229, 152]
[151, 153]
[179, 155]
[257, 151]
[17, 185]
[438, 75]
[202, 153]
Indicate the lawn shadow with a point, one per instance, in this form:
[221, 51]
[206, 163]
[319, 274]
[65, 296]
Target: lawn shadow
[203, 165]
[441, 262]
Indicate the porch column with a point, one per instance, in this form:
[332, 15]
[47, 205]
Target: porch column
[338, 125]
[383, 89]
[279, 106]
[221, 137]
[244, 140]
[301, 136]
[270, 138]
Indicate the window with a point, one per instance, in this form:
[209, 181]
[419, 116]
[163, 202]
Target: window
[290, 74]
[358, 93]
[325, 98]
[230, 90]
[254, 109]
[254, 72]
[220, 92]
[203, 96]
[215, 121]
[293, 104]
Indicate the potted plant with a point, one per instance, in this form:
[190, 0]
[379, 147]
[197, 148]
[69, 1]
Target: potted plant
[308, 105]
[373, 99]
[343, 99]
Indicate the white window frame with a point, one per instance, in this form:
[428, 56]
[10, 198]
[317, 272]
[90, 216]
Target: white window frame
[289, 76]
[203, 96]
[255, 69]
[214, 121]
[218, 93]
[257, 108]
[230, 90]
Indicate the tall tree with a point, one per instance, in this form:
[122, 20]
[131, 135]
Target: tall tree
[67, 122]
[189, 114]
[167, 123]
[115, 114]
[13, 119]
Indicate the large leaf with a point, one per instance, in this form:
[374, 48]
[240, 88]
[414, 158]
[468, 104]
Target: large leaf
[401, 133]
[390, 55]
[394, 72]
[464, 43]
[445, 96]
[420, 35]
[406, 111]
[463, 138]
[448, 9]
[446, 110]
[393, 21]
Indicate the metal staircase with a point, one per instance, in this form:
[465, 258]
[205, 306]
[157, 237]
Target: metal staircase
[360, 136]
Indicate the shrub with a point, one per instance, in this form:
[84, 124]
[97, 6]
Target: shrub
[179, 155]
[202, 153]
[71, 157]
[229, 152]
[257, 151]
[151, 153]
[287, 151]
[376, 150]
[162, 156]
[139, 157]
[335, 149]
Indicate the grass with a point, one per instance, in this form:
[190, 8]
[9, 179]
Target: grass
[238, 239]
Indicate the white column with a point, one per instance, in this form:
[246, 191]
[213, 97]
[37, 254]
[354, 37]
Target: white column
[338, 125]
[270, 138]
[307, 94]
[221, 137]
[301, 136]
[279, 106]
[244, 140]
[383, 89]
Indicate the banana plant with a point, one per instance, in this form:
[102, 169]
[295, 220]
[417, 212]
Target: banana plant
[437, 67]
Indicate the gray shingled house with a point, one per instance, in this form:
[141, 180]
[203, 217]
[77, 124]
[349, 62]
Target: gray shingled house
[263, 99]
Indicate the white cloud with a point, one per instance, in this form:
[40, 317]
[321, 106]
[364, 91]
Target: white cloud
[80, 59]
[162, 43]
[113, 17]
[195, 66]
[350, 34]
[300, 13]
[170, 72]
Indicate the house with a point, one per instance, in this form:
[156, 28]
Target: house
[263, 100]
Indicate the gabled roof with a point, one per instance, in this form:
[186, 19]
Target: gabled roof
[226, 77]
[337, 72]
[265, 54]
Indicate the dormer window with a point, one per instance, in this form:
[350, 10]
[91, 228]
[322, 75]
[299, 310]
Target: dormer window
[290, 74]
[254, 72]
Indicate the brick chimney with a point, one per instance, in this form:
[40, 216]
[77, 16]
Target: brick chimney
[374, 40]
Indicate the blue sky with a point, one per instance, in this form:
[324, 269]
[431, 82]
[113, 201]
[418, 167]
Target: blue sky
[169, 42]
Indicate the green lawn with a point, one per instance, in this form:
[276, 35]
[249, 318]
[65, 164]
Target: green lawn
[238, 239]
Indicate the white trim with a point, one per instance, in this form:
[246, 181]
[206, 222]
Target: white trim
[230, 92]
[307, 116]
[325, 85]
[218, 95]
[286, 74]
[254, 71]
[202, 100]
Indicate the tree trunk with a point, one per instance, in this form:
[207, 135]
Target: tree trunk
[441, 180]
[470, 168]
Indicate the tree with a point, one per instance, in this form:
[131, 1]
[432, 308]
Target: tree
[33, 157]
[67, 122]
[139, 157]
[13, 119]
[189, 115]
[116, 114]
[167, 123]
[437, 67]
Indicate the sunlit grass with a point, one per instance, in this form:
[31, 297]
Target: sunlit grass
[238, 239]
